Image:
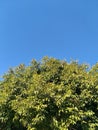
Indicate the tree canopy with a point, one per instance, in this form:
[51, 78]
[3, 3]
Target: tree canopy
[49, 95]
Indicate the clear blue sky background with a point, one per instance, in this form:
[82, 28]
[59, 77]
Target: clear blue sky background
[64, 29]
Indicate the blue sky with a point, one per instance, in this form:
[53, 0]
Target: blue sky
[64, 29]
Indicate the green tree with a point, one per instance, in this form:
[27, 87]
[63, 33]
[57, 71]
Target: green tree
[49, 95]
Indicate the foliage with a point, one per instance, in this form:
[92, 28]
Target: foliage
[49, 95]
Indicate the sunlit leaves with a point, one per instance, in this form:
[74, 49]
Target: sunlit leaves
[49, 95]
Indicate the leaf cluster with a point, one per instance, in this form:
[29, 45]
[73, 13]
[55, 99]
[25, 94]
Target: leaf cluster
[49, 95]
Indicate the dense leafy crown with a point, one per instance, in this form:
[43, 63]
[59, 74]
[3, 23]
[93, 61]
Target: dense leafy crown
[49, 95]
